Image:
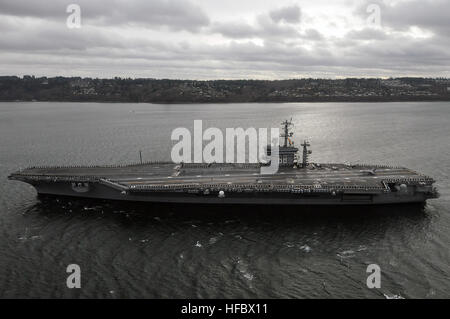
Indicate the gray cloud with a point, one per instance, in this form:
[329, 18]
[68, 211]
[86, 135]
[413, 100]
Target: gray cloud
[149, 39]
[268, 25]
[289, 14]
[265, 28]
[175, 14]
[367, 33]
[312, 34]
[235, 29]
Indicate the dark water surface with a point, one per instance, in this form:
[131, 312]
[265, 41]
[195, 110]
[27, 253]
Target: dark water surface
[158, 251]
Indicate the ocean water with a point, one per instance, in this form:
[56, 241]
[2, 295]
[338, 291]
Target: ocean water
[157, 251]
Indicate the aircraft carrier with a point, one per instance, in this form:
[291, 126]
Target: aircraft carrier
[297, 182]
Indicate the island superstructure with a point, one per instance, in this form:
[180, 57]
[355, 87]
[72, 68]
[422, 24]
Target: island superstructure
[297, 182]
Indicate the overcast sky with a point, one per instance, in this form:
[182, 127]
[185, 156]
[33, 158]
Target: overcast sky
[210, 39]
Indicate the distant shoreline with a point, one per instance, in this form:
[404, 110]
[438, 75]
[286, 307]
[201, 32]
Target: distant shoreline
[440, 99]
[165, 91]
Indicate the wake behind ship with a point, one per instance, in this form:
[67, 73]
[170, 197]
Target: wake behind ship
[295, 183]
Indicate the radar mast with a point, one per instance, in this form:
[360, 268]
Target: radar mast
[286, 134]
[306, 153]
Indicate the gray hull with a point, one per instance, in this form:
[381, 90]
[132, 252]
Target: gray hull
[99, 191]
[320, 184]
